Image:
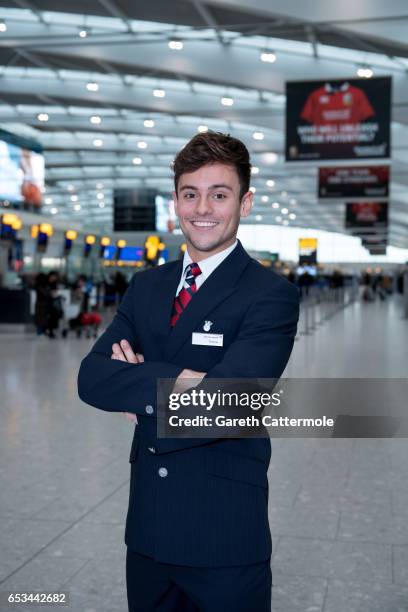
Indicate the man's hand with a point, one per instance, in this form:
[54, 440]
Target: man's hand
[124, 352]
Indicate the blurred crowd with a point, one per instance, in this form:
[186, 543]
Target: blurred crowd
[79, 306]
[374, 284]
[63, 306]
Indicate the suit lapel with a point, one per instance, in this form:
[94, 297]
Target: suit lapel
[219, 286]
[163, 294]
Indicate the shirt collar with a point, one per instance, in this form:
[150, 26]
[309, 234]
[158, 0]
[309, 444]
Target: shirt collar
[208, 265]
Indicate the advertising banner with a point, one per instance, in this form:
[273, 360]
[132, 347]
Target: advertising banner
[366, 215]
[22, 171]
[354, 182]
[307, 251]
[338, 119]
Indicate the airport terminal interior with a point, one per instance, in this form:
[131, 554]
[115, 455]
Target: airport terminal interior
[96, 99]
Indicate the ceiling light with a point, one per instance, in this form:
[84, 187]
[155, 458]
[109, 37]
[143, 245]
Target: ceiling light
[293, 202]
[270, 183]
[275, 204]
[92, 86]
[3, 26]
[71, 188]
[285, 222]
[258, 135]
[54, 211]
[159, 93]
[74, 198]
[284, 211]
[98, 142]
[253, 189]
[101, 204]
[202, 128]
[48, 200]
[142, 144]
[254, 170]
[258, 217]
[292, 216]
[77, 207]
[137, 161]
[267, 56]
[42, 117]
[148, 123]
[176, 44]
[265, 198]
[270, 158]
[83, 32]
[95, 119]
[100, 196]
[365, 72]
[99, 185]
[227, 101]
[278, 219]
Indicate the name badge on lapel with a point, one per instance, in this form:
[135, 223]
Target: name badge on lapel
[207, 339]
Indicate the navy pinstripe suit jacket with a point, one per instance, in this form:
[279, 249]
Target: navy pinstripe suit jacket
[211, 509]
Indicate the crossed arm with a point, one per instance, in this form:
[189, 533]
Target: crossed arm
[116, 378]
[122, 351]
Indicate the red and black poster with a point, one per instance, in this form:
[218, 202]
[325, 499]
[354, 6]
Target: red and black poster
[366, 215]
[338, 119]
[354, 182]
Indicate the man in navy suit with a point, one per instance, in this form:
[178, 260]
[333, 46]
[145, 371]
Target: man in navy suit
[197, 531]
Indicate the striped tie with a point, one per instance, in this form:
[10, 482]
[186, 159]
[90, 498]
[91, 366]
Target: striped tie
[186, 293]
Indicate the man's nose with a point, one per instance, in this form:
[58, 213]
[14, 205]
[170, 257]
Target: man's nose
[204, 206]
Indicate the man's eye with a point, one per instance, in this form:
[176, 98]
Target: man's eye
[189, 196]
[219, 196]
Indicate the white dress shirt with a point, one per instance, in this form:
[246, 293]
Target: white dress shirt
[207, 266]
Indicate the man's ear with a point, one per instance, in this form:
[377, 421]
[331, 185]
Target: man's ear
[247, 203]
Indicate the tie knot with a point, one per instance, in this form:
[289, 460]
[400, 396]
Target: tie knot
[193, 270]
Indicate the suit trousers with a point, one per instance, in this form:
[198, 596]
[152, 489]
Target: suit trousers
[153, 586]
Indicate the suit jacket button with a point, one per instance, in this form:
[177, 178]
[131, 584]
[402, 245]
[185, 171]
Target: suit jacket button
[149, 409]
[163, 472]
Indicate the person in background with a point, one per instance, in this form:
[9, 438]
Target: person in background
[55, 308]
[42, 294]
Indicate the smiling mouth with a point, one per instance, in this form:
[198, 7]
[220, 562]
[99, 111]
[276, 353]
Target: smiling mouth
[204, 223]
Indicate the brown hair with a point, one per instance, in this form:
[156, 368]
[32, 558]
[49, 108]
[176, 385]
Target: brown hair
[214, 147]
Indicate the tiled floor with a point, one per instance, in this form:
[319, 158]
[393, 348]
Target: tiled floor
[339, 508]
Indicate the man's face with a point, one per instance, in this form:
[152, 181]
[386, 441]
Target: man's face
[209, 208]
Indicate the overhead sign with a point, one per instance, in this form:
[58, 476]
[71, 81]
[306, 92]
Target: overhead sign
[366, 215]
[339, 119]
[134, 210]
[354, 182]
[374, 241]
[380, 250]
[307, 251]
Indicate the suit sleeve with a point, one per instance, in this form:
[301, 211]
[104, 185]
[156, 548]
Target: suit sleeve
[118, 386]
[261, 349]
